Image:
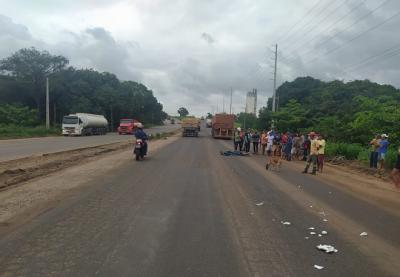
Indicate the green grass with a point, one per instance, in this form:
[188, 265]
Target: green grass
[354, 151]
[13, 131]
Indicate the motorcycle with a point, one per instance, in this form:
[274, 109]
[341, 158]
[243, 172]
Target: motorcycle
[140, 149]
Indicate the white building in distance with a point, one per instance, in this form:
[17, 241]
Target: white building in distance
[251, 102]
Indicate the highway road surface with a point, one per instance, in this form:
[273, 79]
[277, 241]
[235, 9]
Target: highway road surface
[189, 211]
[19, 148]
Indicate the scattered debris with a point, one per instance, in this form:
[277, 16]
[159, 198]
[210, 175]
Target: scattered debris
[324, 232]
[313, 233]
[306, 237]
[260, 204]
[311, 228]
[323, 213]
[329, 249]
[310, 206]
[363, 234]
[330, 192]
[286, 223]
[318, 267]
[325, 220]
[319, 235]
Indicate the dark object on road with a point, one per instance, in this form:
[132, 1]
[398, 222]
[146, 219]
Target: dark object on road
[233, 153]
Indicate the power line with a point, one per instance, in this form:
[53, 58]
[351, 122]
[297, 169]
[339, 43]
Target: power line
[317, 24]
[390, 52]
[328, 29]
[298, 22]
[359, 35]
[325, 7]
[351, 25]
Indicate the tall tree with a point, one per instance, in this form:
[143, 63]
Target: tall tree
[183, 111]
[31, 65]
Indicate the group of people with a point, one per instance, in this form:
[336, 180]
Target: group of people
[379, 147]
[310, 148]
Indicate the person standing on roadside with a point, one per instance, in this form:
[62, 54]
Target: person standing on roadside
[264, 141]
[288, 147]
[306, 147]
[373, 157]
[396, 171]
[383, 146]
[313, 154]
[270, 142]
[247, 140]
[256, 141]
[237, 139]
[321, 153]
[284, 138]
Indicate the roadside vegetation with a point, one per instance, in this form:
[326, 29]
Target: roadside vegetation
[349, 114]
[22, 89]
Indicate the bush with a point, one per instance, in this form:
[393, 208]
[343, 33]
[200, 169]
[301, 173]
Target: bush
[18, 115]
[13, 131]
[350, 151]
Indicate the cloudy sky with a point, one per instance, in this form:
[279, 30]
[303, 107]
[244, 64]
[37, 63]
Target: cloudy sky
[192, 52]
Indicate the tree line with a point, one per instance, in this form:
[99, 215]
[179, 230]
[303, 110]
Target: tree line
[351, 112]
[22, 91]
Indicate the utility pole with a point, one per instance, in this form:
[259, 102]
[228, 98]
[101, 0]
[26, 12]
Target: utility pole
[47, 104]
[223, 104]
[230, 105]
[275, 69]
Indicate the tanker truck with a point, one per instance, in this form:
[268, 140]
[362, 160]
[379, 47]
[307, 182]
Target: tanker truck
[84, 124]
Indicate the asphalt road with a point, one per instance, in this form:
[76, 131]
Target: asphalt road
[19, 148]
[188, 211]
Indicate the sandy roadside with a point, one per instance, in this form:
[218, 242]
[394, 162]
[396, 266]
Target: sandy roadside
[379, 192]
[33, 197]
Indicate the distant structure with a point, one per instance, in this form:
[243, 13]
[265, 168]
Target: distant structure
[251, 102]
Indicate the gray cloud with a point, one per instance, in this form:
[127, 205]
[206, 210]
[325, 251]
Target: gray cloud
[159, 43]
[208, 38]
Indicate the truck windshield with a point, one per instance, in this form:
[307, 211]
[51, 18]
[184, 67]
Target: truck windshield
[70, 120]
[125, 121]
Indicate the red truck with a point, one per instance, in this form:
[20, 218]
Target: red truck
[222, 126]
[127, 126]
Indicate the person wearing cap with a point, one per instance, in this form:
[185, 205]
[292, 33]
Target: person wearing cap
[313, 155]
[383, 146]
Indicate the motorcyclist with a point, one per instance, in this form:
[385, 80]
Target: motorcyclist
[140, 134]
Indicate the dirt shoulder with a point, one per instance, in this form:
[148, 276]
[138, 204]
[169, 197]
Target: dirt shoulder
[378, 191]
[27, 199]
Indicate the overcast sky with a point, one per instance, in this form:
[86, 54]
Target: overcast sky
[191, 52]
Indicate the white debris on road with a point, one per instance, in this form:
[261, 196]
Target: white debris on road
[363, 234]
[313, 233]
[318, 267]
[325, 220]
[319, 235]
[286, 223]
[260, 204]
[324, 232]
[311, 228]
[306, 237]
[327, 248]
